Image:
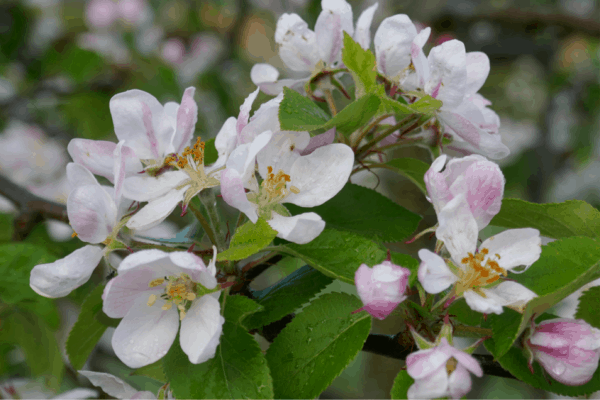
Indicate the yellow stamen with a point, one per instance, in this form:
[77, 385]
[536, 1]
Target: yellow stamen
[156, 282]
[191, 296]
[477, 273]
[181, 315]
[294, 189]
[167, 306]
[451, 365]
[151, 300]
[74, 234]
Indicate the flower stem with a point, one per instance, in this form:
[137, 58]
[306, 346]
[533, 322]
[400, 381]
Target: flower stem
[209, 200]
[385, 134]
[367, 129]
[207, 228]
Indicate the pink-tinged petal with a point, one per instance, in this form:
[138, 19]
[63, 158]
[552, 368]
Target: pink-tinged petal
[122, 291]
[194, 267]
[121, 154]
[434, 274]
[92, 213]
[146, 188]
[569, 366]
[110, 384]
[459, 382]
[458, 228]
[478, 69]
[362, 34]
[145, 334]
[225, 141]
[95, 155]
[448, 73]
[467, 361]
[298, 47]
[481, 304]
[508, 293]
[573, 331]
[266, 118]
[317, 141]
[393, 41]
[187, 116]
[140, 120]
[265, 77]
[59, 278]
[78, 175]
[418, 57]
[299, 229]
[320, 175]
[335, 18]
[232, 190]
[143, 395]
[281, 152]
[201, 329]
[424, 363]
[157, 210]
[431, 387]
[79, 393]
[437, 184]
[514, 247]
[244, 161]
[381, 288]
[244, 115]
[143, 257]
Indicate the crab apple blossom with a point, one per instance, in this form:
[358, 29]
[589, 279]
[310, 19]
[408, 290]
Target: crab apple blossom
[150, 129]
[441, 371]
[288, 177]
[568, 349]
[480, 180]
[116, 387]
[381, 288]
[476, 273]
[304, 50]
[96, 215]
[153, 292]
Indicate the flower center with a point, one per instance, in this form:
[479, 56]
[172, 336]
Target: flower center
[451, 365]
[273, 190]
[477, 273]
[180, 290]
[191, 160]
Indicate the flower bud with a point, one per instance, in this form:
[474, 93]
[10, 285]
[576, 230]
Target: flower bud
[568, 349]
[381, 288]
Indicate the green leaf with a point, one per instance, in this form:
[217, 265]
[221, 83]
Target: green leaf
[94, 125]
[401, 384]
[426, 105]
[504, 326]
[39, 236]
[411, 168]
[564, 266]
[238, 369]
[337, 254]
[6, 227]
[44, 308]
[463, 313]
[354, 115]
[80, 64]
[16, 262]
[87, 331]
[389, 105]
[154, 371]
[406, 261]
[555, 220]
[361, 64]
[248, 239]
[365, 212]
[287, 295]
[298, 113]
[588, 307]
[210, 152]
[317, 346]
[515, 362]
[39, 345]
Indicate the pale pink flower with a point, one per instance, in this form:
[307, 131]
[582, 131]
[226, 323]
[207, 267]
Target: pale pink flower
[480, 180]
[152, 293]
[441, 371]
[115, 387]
[568, 349]
[381, 288]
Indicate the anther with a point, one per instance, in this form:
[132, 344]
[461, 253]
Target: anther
[156, 282]
[167, 306]
[151, 300]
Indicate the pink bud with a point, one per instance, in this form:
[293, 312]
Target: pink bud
[101, 13]
[568, 349]
[480, 180]
[132, 11]
[173, 51]
[381, 288]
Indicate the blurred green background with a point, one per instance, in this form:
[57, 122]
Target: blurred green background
[62, 60]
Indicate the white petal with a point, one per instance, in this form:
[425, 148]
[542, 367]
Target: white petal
[145, 334]
[225, 141]
[201, 329]
[282, 151]
[335, 18]
[419, 59]
[243, 158]
[511, 294]
[265, 77]
[266, 118]
[79, 393]
[434, 274]
[140, 120]
[78, 175]
[122, 291]
[244, 115]
[486, 305]
[232, 190]
[478, 69]
[448, 73]
[194, 266]
[298, 47]
[320, 175]
[423, 364]
[121, 154]
[157, 210]
[362, 35]
[92, 213]
[459, 382]
[187, 116]
[458, 228]
[112, 385]
[431, 387]
[145, 187]
[59, 278]
[299, 229]
[95, 155]
[393, 41]
[514, 247]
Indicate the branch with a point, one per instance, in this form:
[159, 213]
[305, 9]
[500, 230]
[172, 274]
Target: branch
[32, 209]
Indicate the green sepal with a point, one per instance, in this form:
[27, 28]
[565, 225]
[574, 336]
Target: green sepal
[422, 343]
[445, 332]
